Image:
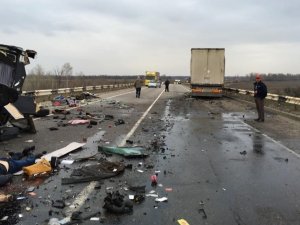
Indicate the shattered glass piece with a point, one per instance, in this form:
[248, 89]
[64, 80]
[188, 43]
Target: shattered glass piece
[125, 151]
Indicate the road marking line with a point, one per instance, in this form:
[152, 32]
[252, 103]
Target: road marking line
[78, 202]
[188, 89]
[120, 94]
[84, 194]
[140, 120]
[274, 141]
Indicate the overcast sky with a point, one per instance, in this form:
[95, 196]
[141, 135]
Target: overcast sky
[132, 36]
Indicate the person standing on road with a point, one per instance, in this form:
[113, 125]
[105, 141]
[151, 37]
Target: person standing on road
[260, 92]
[167, 82]
[138, 87]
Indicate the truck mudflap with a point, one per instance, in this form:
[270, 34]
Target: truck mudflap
[207, 92]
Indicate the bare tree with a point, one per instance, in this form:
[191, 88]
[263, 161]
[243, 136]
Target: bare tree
[36, 75]
[65, 71]
[37, 70]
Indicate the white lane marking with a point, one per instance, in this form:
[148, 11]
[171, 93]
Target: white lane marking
[120, 94]
[78, 202]
[84, 194]
[140, 120]
[186, 88]
[274, 141]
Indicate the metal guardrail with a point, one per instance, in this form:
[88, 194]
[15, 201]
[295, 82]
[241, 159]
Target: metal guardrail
[48, 92]
[274, 97]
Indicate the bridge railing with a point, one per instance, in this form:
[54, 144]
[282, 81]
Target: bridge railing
[273, 97]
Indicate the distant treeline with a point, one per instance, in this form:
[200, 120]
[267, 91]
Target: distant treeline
[281, 84]
[267, 77]
[63, 77]
[38, 82]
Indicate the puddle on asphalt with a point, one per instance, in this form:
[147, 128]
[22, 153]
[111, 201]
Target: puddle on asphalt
[169, 115]
[233, 122]
[234, 131]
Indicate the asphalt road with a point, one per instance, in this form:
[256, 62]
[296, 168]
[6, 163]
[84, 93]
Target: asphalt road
[214, 163]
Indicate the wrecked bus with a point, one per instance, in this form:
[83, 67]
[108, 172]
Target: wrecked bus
[12, 76]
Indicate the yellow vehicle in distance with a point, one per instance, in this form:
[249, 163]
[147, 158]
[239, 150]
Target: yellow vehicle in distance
[152, 76]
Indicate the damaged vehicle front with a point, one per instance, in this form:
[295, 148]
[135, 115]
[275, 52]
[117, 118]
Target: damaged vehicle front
[14, 108]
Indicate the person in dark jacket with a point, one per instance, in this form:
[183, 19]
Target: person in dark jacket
[138, 87]
[260, 92]
[9, 166]
[16, 161]
[167, 82]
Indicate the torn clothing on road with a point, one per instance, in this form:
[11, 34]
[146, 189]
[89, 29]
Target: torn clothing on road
[104, 169]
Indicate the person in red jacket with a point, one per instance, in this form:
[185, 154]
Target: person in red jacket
[260, 92]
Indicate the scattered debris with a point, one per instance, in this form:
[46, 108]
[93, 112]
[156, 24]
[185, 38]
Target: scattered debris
[129, 142]
[108, 117]
[78, 121]
[279, 159]
[30, 189]
[94, 218]
[119, 122]
[152, 195]
[138, 189]
[53, 128]
[54, 221]
[125, 151]
[61, 111]
[162, 199]
[182, 222]
[138, 198]
[67, 161]
[42, 112]
[4, 179]
[41, 167]
[60, 204]
[243, 152]
[153, 180]
[63, 151]
[93, 122]
[104, 169]
[145, 130]
[5, 198]
[115, 203]
[204, 216]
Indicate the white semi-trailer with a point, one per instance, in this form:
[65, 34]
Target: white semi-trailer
[207, 71]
